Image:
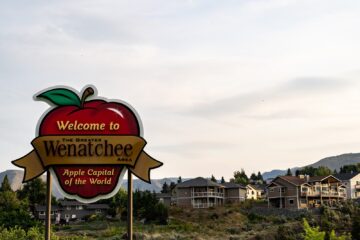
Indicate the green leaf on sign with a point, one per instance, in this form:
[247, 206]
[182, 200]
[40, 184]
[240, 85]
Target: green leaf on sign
[61, 97]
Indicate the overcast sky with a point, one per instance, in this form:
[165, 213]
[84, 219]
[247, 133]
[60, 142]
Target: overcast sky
[219, 85]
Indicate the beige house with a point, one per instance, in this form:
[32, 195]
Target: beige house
[254, 192]
[203, 193]
[352, 183]
[304, 192]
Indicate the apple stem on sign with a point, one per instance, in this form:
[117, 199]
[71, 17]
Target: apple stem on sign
[88, 92]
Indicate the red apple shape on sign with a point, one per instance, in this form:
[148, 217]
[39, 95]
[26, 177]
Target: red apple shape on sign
[75, 116]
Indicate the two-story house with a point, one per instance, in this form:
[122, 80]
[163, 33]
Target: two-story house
[199, 193]
[304, 191]
[352, 183]
[204, 193]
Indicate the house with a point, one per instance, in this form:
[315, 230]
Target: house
[40, 213]
[199, 193]
[69, 210]
[255, 191]
[234, 193]
[164, 198]
[352, 183]
[74, 210]
[204, 193]
[295, 192]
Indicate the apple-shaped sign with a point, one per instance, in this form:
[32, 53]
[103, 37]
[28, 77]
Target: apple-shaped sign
[87, 145]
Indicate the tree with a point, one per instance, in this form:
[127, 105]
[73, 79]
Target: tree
[253, 177]
[222, 180]
[260, 177]
[172, 186]
[323, 171]
[350, 168]
[5, 185]
[213, 179]
[312, 233]
[355, 228]
[289, 173]
[34, 191]
[165, 188]
[14, 212]
[179, 180]
[240, 177]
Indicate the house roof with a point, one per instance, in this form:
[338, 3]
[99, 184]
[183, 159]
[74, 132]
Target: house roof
[232, 185]
[346, 176]
[39, 208]
[293, 180]
[297, 181]
[97, 206]
[321, 178]
[257, 187]
[70, 203]
[198, 182]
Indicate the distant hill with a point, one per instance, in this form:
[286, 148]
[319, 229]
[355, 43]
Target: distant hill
[333, 163]
[16, 176]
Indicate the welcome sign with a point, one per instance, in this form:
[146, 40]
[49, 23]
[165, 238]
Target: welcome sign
[87, 144]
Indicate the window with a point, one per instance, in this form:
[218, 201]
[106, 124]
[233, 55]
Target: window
[252, 192]
[291, 201]
[98, 210]
[271, 190]
[67, 216]
[79, 207]
[42, 213]
[68, 207]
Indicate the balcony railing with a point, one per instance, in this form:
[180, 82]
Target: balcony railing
[207, 194]
[203, 205]
[324, 194]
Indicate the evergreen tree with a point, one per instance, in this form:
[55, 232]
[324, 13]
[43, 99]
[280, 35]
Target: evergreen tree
[260, 177]
[253, 177]
[213, 179]
[222, 180]
[172, 186]
[289, 173]
[34, 191]
[14, 212]
[5, 185]
[179, 180]
[165, 188]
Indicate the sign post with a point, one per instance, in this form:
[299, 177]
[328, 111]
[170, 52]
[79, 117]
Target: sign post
[48, 207]
[87, 144]
[130, 207]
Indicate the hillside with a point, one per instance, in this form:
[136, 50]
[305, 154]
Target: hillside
[16, 176]
[333, 163]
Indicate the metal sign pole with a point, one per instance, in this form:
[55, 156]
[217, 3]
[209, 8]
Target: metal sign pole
[48, 207]
[130, 207]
